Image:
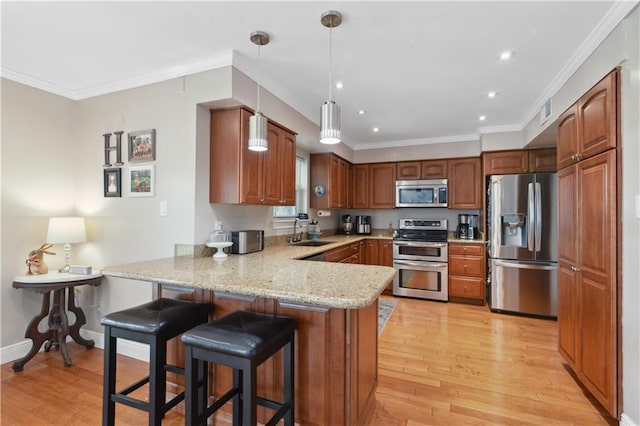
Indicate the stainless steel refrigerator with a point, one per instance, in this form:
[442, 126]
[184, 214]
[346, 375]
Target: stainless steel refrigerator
[522, 243]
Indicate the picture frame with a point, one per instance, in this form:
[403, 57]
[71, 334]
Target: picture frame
[112, 182]
[142, 145]
[142, 181]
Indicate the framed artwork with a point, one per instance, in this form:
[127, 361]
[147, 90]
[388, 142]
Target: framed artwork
[142, 145]
[142, 181]
[112, 182]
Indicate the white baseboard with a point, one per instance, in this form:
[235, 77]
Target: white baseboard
[125, 347]
[626, 421]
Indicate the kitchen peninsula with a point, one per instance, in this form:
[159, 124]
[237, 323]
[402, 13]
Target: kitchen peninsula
[335, 304]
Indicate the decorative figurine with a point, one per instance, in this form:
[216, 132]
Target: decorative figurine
[35, 262]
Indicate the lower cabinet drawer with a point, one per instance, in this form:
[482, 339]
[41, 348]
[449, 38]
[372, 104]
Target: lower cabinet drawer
[466, 287]
[468, 266]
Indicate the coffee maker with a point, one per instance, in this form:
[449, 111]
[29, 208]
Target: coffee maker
[467, 226]
[346, 227]
[363, 225]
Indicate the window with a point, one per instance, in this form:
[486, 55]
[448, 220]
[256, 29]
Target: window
[302, 190]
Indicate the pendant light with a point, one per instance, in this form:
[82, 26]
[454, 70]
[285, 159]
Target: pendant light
[258, 122]
[330, 111]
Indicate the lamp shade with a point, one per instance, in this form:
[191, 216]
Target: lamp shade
[330, 123]
[66, 230]
[258, 132]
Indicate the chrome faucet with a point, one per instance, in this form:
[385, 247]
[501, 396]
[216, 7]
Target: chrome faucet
[294, 238]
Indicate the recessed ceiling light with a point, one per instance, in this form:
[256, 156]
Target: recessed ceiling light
[506, 55]
[492, 94]
[482, 117]
[362, 112]
[375, 130]
[339, 85]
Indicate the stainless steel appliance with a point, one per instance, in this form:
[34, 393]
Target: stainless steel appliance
[522, 228]
[247, 241]
[347, 224]
[421, 193]
[467, 228]
[420, 256]
[363, 224]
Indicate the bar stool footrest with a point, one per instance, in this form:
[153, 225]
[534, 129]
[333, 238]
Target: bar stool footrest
[219, 402]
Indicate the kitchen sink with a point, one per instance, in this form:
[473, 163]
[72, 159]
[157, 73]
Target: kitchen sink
[312, 243]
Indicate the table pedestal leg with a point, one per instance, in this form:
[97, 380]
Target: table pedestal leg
[74, 330]
[36, 337]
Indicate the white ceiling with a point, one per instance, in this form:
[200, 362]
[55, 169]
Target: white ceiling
[421, 70]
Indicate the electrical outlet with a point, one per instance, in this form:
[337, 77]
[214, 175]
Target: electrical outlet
[217, 226]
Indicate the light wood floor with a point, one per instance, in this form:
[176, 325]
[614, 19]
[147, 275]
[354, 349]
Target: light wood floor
[438, 364]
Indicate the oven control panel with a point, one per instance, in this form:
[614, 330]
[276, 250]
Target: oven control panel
[427, 224]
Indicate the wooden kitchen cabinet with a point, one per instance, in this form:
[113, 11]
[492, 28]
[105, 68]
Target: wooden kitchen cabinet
[360, 186]
[588, 242]
[279, 166]
[240, 176]
[590, 126]
[467, 264]
[344, 254]
[465, 183]
[332, 172]
[519, 161]
[587, 279]
[426, 169]
[408, 170]
[382, 185]
[434, 169]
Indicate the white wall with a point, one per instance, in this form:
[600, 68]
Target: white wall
[38, 181]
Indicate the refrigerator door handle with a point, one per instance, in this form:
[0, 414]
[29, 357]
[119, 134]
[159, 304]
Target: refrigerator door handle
[538, 234]
[530, 216]
[520, 265]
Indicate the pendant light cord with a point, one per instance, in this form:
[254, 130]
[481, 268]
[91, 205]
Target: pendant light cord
[258, 110]
[330, 61]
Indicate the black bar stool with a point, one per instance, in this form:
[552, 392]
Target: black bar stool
[242, 340]
[153, 323]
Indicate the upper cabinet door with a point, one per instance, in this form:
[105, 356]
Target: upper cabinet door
[434, 169]
[360, 186]
[598, 124]
[288, 169]
[567, 137]
[408, 170]
[465, 183]
[506, 162]
[542, 160]
[382, 185]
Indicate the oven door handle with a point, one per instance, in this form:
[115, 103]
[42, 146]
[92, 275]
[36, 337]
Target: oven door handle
[419, 244]
[421, 264]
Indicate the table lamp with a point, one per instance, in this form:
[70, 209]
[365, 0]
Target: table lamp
[66, 230]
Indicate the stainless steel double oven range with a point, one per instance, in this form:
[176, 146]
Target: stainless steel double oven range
[420, 256]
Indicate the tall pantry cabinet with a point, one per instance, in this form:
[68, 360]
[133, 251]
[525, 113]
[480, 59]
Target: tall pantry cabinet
[588, 241]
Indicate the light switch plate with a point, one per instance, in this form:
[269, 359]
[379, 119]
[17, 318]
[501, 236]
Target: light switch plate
[163, 208]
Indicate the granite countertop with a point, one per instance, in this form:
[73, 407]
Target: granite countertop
[273, 273]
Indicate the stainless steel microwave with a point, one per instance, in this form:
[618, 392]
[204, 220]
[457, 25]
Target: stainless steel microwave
[421, 193]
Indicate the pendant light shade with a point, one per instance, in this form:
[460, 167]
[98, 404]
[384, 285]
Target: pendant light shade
[330, 111]
[330, 123]
[258, 132]
[258, 122]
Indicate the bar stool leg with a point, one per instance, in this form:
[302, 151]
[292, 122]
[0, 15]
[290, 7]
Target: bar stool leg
[157, 381]
[289, 381]
[203, 388]
[249, 397]
[237, 399]
[191, 365]
[109, 379]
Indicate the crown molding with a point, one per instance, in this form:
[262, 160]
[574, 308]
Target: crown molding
[37, 83]
[414, 142]
[204, 64]
[614, 16]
